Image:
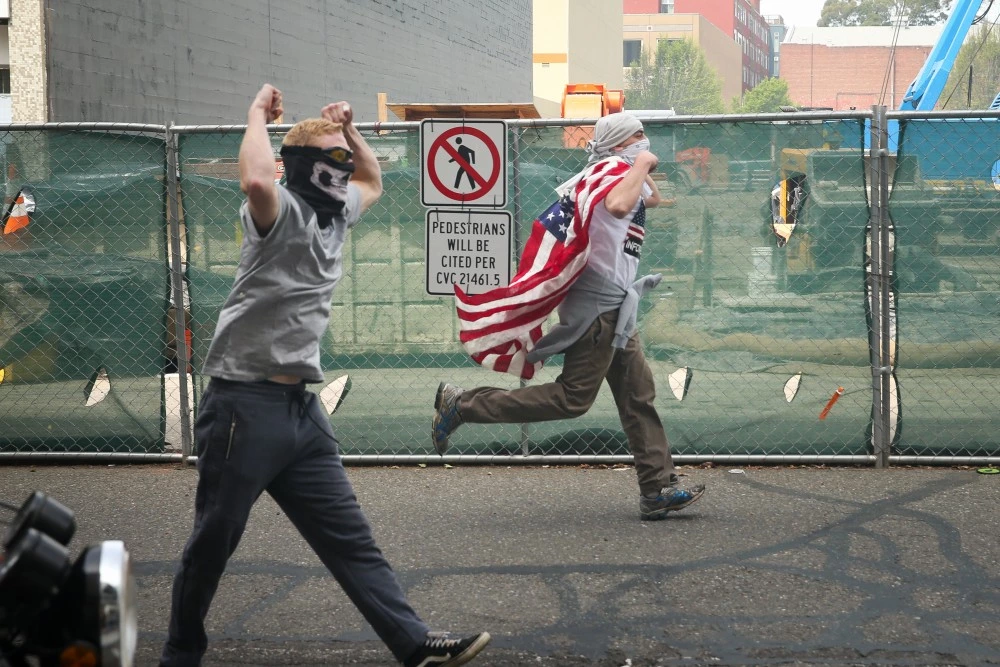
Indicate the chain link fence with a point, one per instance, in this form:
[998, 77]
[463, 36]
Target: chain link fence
[821, 300]
[945, 211]
[83, 290]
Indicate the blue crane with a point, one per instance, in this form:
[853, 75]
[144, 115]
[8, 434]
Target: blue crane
[926, 88]
[963, 186]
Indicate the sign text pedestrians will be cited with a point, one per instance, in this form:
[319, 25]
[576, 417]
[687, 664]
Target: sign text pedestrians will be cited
[470, 248]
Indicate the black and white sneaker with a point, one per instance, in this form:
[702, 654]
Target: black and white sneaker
[441, 650]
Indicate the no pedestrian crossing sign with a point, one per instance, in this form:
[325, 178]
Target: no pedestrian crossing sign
[469, 248]
[463, 163]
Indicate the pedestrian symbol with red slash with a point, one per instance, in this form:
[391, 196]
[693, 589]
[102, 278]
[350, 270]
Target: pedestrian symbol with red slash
[463, 163]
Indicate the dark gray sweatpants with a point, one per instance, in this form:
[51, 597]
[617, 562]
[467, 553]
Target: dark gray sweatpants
[263, 436]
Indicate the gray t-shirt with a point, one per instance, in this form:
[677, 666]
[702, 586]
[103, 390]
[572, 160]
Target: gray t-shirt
[275, 316]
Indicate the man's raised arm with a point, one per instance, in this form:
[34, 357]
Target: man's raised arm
[367, 172]
[257, 159]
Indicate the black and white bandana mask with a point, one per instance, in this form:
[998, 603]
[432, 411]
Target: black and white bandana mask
[319, 178]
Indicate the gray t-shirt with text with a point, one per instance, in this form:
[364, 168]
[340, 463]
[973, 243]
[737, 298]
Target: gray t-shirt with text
[279, 308]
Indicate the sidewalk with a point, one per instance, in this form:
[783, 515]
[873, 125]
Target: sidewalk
[789, 566]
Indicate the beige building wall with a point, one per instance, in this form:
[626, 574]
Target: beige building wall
[575, 41]
[27, 62]
[721, 51]
[550, 41]
[594, 45]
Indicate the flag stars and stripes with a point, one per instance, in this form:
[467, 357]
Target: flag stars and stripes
[637, 227]
[555, 219]
[639, 219]
[498, 328]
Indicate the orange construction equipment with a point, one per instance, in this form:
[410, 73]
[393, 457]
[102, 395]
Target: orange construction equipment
[590, 100]
[587, 100]
[697, 159]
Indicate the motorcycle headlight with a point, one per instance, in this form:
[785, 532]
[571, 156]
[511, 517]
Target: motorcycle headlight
[110, 587]
[45, 515]
[32, 572]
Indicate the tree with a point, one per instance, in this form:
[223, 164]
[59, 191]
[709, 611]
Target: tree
[768, 96]
[676, 77]
[982, 49]
[882, 12]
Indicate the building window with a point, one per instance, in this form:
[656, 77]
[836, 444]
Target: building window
[666, 6]
[632, 52]
[4, 81]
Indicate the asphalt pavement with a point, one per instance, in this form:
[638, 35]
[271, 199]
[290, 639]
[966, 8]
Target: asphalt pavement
[774, 566]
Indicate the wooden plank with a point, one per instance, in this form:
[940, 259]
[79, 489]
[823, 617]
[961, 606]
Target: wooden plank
[501, 110]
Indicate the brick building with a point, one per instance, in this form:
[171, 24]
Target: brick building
[740, 20]
[644, 7]
[642, 33]
[844, 68]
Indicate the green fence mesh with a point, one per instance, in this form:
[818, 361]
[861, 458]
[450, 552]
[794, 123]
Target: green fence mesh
[744, 316]
[945, 206]
[83, 302]
[758, 335]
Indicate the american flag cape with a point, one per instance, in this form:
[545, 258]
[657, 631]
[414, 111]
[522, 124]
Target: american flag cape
[499, 327]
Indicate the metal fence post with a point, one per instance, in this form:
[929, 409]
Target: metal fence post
[888, 313]
[177, 289]
[878, 286]
[515, 143]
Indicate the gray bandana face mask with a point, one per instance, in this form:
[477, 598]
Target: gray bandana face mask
[631, 152]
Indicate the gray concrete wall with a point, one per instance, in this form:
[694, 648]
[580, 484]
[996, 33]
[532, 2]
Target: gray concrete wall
[193, 61]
